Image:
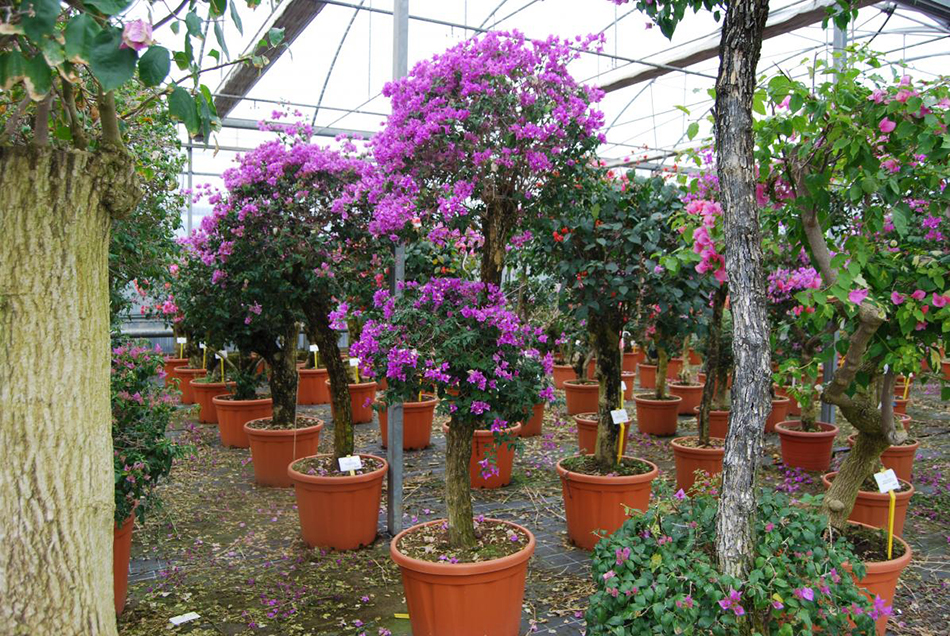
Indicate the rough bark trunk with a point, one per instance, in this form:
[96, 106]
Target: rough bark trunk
[56, 474]
[458, 486]
[662, 364]
[605, 336]
[739, 51]
[337, 372]
[283, 378]
[713, 361]
[495, 233]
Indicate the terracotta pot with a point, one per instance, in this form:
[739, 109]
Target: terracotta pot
[628, 378]
[794, 408]
[417, 420]
[587, 433]
[900, 387]
[691, 394]
[186, 375]
[339, 512]
[592, 369]
[504, 458]
[594, 503]
[532, 428]
[362, 396]
[688, 460]
[880, 579]
[170, 365]
[657, 417]
[273, 450]
[779, 413]
[581, 398]
[945, 366]
[694, 358]
[900, 406]
[718, 422]
[899, 458]
[673, 368]
[562, 373]
[232, 414]
[312, 387]
[630, 360]
[647, 373]
[463, 599]
[810, 451]
[204, 393]
[121, 555]
[872, 508]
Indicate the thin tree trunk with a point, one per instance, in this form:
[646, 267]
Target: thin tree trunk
[739, 52]
[326, 340]
[662, 364]
[605, 336]
[283, 379]
[495, 234]
[458, 485]
[56, 473]
[713, 360]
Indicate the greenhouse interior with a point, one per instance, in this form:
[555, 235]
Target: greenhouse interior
[475, 318]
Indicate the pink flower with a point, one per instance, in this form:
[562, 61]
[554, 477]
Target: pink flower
[680, 494]
[805, 593]
[919, 295]
[137, 35]
[857, 296]
[886, 126]
[891, 165]
[609, 574]
[897, 298]
[939, 300]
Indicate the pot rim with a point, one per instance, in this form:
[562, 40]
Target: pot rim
[317, 371]
[628, 373]
[696, 410]
[870, 494]
[563, 366]
[419, 405]
[461, 569]
[891, 565]
[174, 359]
[914, 446]
[578, 418]
[511, 430]
[282, 432]
[671, 399]
[211, 385]
[781, 429]
[219, 400]
[336, 480]
[781, 399]
[680, 385]
[645, 364]
[569, 475]
[700, 450]
[583, 383]
[358, 385]
[189, 370]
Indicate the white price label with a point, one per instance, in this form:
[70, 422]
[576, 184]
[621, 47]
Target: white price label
[223, 354]
[623, 387]
[184, 618]
[351, 462]
[181, 340]
[620, 416]
[314, 348]
[887, 481]
[354, 362]
[202, 345]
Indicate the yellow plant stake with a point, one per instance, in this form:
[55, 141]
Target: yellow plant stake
[623, 432]
[222, 369]
[890, 524]
[887, 482]
[907, 385]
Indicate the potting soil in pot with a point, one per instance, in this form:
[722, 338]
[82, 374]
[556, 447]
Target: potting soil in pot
[494, 540]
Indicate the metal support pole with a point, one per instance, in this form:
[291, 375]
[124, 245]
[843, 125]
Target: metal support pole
[191, 178]
[394, 505]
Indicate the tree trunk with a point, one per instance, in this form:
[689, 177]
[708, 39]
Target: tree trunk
[605, 336]
[283, 379]
[739, 52]
[458, 486]
[662, 364]
[56, 473]
[713, 361]
[326, 339]
[495, 234]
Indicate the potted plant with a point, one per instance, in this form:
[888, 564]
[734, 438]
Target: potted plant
[312, 376]
[243, 404]
[142, 452]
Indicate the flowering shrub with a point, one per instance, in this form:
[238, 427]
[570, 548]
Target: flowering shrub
[141, 411]
[657, 575]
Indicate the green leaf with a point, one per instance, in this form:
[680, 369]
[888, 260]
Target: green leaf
[218, 7]
[193, 23]
[81, 30]
[682, 108]
[175, 27]
[275, 36]
[181, 106]
[109, 7]
[154, 65]
[692, 130]
[219, 36]
[236, 18]
[900, 218]
[111, 65]
[795, 103]
[39, 77]
[12, 69]
[39, 18]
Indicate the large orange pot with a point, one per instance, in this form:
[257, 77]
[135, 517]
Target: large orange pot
[945, 365]
[718, 422]
[232, 414]
[899, 458]
[362, 396]
[312, 387]
[647, 373]
[628, 378]
[880, 579]
[204, 393]
[587, 434]
[688, 460]
[504, 458]
[873, 508]
[900, 406]
[657, 417]
[417, 420]
[186, 375]
[562, 373]
[694, 358]
[272, 451]
[593, 503]
[581, 398]
[630, 360]
[464, 599]
[673, 368]
[779, 413]
[801, 449]
[340, 511]
[692, 395]
[170, 365]
[532, 428]
[121, 555]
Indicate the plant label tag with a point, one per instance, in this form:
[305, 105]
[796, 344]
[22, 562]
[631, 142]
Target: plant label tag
[620, 416]
[202, 345]
[314, 348]
[350, 463]
[183, 618]
[354, 362]
[217, 357]
[181, 340]
[223, 354]
[887, 481]
[623, 386]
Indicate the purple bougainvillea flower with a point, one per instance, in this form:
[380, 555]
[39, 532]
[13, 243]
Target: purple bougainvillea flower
[897, 298]
[886, 126]
[857, 296]
[137, 35]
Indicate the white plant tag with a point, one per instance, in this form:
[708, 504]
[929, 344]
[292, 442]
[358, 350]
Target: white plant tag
[354, 362]
[223, 354]
[183, 618]
[352, 462]
[887, 481]
[620, 416]
[202, 345]
[217, 357]
[623, 386]
[181, 340]
[314, 348]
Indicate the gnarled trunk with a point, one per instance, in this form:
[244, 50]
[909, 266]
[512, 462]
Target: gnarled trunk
[605, 336]
[283, 378]
[56, 473]
[662, 364]
[458, 485]
[326, 340]
[739, 51]
[495, 230]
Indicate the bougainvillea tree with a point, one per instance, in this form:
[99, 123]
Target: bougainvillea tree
[467, 344]
[273, 242]
[865, 160]
[482, 137]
